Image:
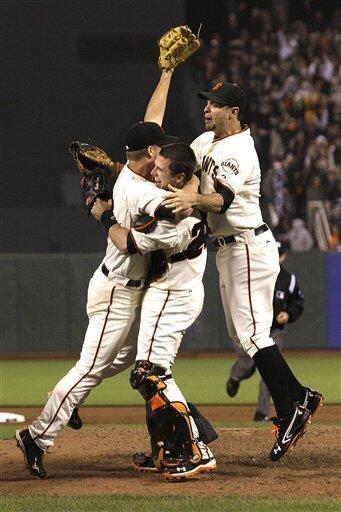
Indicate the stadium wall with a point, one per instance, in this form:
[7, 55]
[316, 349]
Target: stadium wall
[43, 300]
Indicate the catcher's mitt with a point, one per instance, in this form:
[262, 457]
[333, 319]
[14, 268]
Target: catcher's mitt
[176, 46]
[90, 158]
[97, 169]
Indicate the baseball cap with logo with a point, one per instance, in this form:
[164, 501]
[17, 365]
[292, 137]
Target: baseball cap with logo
[225, 93]
[144, 134]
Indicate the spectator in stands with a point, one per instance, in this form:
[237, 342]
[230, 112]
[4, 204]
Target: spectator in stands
[316, 191]
[299, 238]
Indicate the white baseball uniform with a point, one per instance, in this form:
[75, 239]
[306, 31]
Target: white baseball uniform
[114, 296]
[248, 264]
[174, 301]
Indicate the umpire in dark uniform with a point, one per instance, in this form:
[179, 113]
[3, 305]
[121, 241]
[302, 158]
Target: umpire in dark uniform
[288, 307]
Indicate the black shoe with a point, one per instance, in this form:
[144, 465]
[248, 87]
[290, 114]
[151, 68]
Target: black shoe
[33, 455]
[312, 399]
[259, 416]
[232, 387]
[288, 431]
[75, 420]
[145, 463]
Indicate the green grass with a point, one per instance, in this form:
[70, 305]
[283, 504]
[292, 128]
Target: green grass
[25, 382]
[119, 503]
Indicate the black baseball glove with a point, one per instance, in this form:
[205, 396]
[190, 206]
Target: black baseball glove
[97, 169]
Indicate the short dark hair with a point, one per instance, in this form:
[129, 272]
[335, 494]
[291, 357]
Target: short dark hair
[182, 159]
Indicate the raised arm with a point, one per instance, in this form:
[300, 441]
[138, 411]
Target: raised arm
[157, 103]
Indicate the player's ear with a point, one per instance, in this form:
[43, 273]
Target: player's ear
[180, 180]
[234, 112]
[150, 152]
[153, 151]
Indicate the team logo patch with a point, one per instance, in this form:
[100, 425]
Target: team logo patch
[230, 166]
[217, 86]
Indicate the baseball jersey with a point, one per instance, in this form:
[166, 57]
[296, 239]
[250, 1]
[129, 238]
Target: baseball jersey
[231, 162]
[170, 236]
[133, 266]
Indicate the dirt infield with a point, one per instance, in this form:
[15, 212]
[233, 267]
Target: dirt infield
[330, 414]
[97, 460]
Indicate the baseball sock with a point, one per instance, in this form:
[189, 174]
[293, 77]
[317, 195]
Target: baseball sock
[297, 391]
[273, 374]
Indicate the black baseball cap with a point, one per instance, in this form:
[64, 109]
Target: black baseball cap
[144, 134]
[225, 93]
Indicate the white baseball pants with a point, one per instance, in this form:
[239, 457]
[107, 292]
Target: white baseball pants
[111, 310]
[248, 270]
[165, 316]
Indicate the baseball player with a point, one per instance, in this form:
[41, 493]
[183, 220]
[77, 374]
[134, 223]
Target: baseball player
[247, 255]
[114, 296]
[171, 304]
[288, 307]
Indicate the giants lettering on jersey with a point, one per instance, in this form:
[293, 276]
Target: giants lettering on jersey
[209, 166]
[231, 166]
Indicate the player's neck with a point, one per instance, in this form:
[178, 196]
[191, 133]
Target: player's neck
[230, 128]
[142, 168]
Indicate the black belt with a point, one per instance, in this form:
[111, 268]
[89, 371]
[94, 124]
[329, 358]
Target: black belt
[220, 241]
[185, 255]
[134, 283]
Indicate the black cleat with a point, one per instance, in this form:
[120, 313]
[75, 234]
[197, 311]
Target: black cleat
[232, 387]
[311, 400]
[144, 463]
[288, 431]
[33, 455]
[75, 420]
[259, 416]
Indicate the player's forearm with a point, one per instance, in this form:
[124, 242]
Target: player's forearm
[211, 203]
[118, 236]
[157, 104]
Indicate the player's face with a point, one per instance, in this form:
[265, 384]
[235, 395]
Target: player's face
[216, 116]
[162, 174]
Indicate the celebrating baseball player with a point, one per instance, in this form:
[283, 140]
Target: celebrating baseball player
[171, 304]
[114, 294]
[247, 255]
[288, 307]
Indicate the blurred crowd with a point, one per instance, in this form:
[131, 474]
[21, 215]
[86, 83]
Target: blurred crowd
[290, 70]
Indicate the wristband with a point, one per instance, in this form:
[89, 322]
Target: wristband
[108, 219]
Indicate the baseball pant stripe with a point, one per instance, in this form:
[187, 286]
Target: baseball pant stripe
[157, 323]
[250, 297]
[83, 377]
